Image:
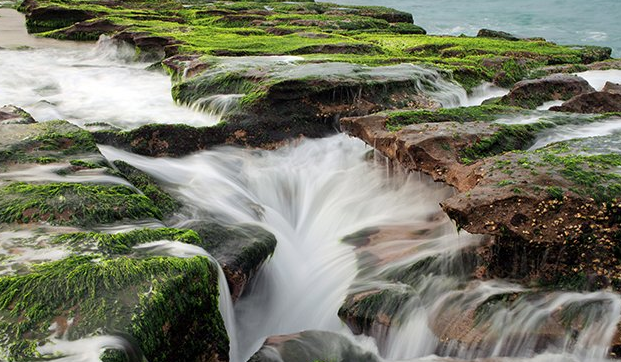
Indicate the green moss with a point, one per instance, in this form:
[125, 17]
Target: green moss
[507, 138]
[47, 142]
[148, 186]
[555, 192]
[594, 175]
[244, 28]
[397, 120]
[122, 243]
[72, 204]
[85, 164]
[168, 305]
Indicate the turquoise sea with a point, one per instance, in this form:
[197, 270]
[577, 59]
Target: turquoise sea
[595, 22]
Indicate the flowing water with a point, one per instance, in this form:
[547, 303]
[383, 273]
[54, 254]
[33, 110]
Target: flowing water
[312, 195]
[84, 83]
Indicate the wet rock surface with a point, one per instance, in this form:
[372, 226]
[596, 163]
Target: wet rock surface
[544, 207]
[311, 346]
[593, 102]
[534, 92]
[62, 281]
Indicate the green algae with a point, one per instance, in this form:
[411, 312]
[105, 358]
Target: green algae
[485, 113]
[122, 243]
[149, 187]
[45, 142]
[72, 204]
[152, 300]
[327, 32]
[506, 138]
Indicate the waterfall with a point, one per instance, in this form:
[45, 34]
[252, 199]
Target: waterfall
[314, 193]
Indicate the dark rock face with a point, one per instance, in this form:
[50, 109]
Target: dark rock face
[487, 33]
[594, 102]
[151, 48]
[240, 249]
[40, 19]
[311, 346]
[534, 92]
[89, 30]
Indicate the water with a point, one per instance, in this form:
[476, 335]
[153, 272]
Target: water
[84, 83]
[307, 199]
[562, 21]
[311, 195]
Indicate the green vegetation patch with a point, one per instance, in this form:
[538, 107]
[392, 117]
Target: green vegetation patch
[169, 306]
[122, 243]
[507, 138]
[149, 187]
[44, 142]
[320, 32]
[485, 113]
[73, 204]
[595, 175]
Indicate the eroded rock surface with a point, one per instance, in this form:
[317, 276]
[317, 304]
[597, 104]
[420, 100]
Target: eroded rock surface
[534, 92]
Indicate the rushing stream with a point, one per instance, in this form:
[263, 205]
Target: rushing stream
[312, 195]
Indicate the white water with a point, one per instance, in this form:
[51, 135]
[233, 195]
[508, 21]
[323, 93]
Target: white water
[598, 78]
[312, 194]
[85, 83]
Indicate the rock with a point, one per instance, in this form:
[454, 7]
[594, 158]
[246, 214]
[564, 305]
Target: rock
[46, 18]
[534, 92]
[339, 49]
[593, 102]
[62, 281]
[166, 307]
[149, 187]
[610, 87]
[240, 249]
[10, 114]
[42, 142]
[487, 33]
[429, 143]
[88, 30]
[150, 48]
[311, 346]
[159, 140]
[533, 203]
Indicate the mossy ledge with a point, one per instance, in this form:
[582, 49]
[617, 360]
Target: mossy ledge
[194, 37]
[73, 204]
[169, 306]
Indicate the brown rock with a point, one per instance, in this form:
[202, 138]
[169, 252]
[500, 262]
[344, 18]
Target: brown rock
[534, 92]
[612, 88]
[593, 102]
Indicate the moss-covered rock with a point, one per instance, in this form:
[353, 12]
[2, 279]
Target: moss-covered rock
[72, 204]
[240, 249]
[534, 92]
[10, 114]
[43, 142]
[168, 306]
[148, 186]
